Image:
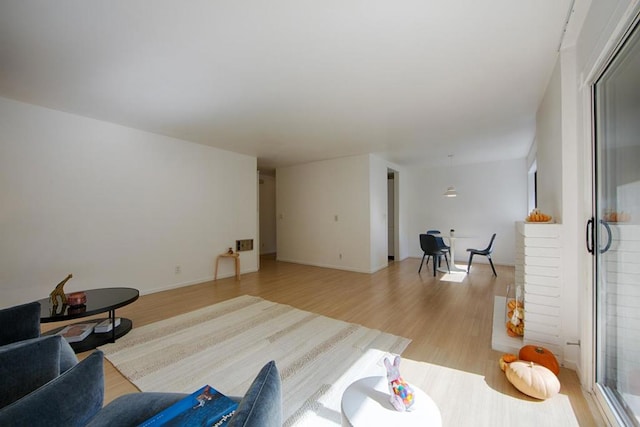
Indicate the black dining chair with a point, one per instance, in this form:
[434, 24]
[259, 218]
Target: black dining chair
[430, 248]
[440, 240]
[484, 252]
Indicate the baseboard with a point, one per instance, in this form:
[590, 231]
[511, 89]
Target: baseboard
[193, 282]
[335, 267]
[380, 267]
[176, 285]
[570, 364]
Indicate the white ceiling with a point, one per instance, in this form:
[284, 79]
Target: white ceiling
[292, 81]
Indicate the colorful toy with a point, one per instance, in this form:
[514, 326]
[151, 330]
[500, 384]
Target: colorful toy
[401, 393]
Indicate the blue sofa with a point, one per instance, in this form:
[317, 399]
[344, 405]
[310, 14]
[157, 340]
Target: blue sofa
[20, 325]
[43, 384]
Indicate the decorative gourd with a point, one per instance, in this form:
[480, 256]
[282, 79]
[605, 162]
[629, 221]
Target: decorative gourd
[514, 303]
[506, 359]
[537, 216]
[515, 330]
[532, 379]
[541, 356]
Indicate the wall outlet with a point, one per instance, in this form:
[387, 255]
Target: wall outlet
[178, 269]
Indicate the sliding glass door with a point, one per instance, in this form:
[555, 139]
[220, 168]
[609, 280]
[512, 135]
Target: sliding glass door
[614, 232]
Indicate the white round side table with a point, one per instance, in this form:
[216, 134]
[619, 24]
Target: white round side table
[366, 403]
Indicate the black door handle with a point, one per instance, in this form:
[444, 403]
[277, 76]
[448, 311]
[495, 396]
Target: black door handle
[590, 236]
[608, 245]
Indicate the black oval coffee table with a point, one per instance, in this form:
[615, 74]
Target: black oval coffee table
[98, 301]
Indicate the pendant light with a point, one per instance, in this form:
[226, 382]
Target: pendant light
[451, 190]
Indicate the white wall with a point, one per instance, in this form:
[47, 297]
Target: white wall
[549, 148]
[309, 199]
[113, 205]
[573, 228]
[557, 182]
[310, 196]
[403, 195]
[491, 197]
[267, 190]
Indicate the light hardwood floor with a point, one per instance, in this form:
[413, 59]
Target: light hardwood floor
[449, 323]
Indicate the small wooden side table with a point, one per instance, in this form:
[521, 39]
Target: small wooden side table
[235, 256]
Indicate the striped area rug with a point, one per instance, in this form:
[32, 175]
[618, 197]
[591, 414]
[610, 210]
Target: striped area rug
[226, 344]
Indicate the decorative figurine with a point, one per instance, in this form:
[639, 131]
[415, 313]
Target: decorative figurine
[401, 393]
[59, 292]
[230, 251]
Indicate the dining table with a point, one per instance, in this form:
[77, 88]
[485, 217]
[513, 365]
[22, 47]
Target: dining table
[451, 239]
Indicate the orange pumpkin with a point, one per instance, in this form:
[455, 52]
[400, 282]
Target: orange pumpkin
[541, 356]
[506, 359]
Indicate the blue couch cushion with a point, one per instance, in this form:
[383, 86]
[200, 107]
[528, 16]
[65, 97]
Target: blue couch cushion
[67, 356]
[26, 366]
[261, 406]
[19, 323]
[70, 400]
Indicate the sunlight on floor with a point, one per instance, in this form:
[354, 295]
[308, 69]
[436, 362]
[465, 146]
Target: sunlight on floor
[454, 276]
[485, 400]
[326, 410]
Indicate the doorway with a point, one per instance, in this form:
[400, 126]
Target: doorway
[393, 229]
[267, 214]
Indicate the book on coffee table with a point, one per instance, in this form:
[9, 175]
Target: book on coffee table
[106, 326]
[77, 332]
[205, 407]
